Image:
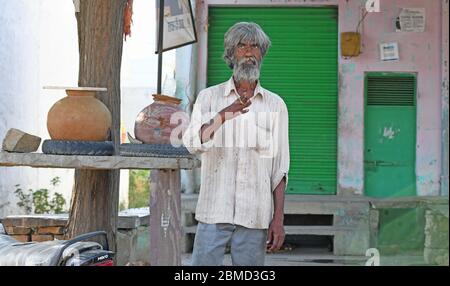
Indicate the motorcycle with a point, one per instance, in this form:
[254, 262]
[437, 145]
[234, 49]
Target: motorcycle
[74, 252]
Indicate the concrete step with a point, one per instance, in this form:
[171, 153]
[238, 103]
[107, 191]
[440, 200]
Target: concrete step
[315, 230]
[303, 204]
[298, 257]
[299, 230]
[321, 257]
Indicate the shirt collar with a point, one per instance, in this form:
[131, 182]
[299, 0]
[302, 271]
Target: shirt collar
[230, 86]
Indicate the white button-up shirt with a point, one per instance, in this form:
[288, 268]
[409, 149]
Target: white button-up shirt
[246, 159]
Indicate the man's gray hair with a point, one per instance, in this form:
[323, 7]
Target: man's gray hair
[243, 32]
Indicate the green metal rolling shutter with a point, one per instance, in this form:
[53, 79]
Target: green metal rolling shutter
[302, 68]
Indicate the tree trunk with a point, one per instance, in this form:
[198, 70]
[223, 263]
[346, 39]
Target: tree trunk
[95, 197]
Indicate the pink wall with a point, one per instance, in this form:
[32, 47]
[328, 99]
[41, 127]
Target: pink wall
[419, 52]
[445, 72]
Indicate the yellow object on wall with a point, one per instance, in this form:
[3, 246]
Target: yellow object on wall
[350, 44]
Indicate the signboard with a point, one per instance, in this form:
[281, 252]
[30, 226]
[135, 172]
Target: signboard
[411, 20]
[179, 25]
[373, 6]
[389, 51]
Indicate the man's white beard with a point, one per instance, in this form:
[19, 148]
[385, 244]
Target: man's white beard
[244, 71]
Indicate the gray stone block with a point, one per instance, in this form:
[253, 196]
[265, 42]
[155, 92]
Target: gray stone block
[374, 222]
[352, 215]
[133, 246]
[436, 230]
[143, 245]
[20, 142]
[437, 240]
[187, 243]
[436, 256]
[126, 244]
[188, 219]
[352, 243]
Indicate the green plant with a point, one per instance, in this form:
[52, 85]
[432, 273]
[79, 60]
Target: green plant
[139, 189]
[40, 201]
[58, 202]
[25, 201]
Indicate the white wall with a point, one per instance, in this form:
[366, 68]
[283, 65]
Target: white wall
[140, 63]
[19, 88]
[58, 56]
[140, 66]
[39, 47]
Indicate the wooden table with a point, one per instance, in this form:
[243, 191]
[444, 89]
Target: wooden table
[39, 160]
[165, 201]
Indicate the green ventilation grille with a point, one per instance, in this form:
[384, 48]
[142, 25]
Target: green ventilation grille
[391, 90]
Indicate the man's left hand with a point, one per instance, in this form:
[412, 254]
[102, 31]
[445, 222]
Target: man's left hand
[275, 236]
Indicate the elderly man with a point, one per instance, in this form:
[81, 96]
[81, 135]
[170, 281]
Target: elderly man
[241, 200]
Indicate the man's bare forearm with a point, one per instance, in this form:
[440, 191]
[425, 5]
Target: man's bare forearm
[278, 200]
[207, 131]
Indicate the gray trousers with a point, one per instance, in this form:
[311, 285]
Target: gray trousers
[248, 246]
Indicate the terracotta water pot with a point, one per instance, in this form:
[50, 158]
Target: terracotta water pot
[153, 124]
[79, 117]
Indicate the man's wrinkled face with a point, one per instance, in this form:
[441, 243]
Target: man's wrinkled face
[247, 62]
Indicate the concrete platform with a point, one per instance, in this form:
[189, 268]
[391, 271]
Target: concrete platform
[350, 216]
[322, 257]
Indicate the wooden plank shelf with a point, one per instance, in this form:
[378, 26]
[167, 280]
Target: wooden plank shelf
[39, 160]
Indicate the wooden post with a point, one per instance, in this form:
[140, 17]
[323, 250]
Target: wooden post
[165, 218]
[160, 45]
[95, 196]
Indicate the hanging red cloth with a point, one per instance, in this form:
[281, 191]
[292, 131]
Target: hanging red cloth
[127, 19]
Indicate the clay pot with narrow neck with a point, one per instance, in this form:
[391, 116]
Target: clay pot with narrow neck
[153, 124]
[79, 117]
